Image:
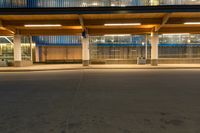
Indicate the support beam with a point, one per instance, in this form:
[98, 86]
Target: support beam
[17, 51]
[37, 54]
[194, 30]
[21, 23]
[12, 31]
[167, 19]
[82, 23]
[154, 48]
[164, 21]
[85, 51]
[39, 32]
[103, 31]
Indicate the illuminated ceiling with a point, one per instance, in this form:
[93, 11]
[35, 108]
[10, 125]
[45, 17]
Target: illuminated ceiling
[74, 24]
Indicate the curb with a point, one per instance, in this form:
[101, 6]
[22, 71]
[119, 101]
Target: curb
[95, 68]
[40, 70]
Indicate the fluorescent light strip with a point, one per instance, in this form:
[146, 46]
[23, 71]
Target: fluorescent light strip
[118, 35]
[123, 24]
[192, 23]
[172, 34]
[42, 25]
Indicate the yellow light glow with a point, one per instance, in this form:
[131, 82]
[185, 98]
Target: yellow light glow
[95, 4]
[143, 43]
[42, 25]
[3, 44]
[192, 23]
[118, 35]
[123, 24]
[173, 34]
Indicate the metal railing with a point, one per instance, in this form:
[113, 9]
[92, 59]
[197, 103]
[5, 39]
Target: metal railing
[90, 3]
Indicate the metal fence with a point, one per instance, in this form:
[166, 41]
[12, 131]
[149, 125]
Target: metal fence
[90, 3]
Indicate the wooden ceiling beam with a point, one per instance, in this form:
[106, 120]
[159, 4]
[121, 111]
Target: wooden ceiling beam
[50, 32]
[14, 23]
[182, 20]
[144, 21]
[5, 33]
[103, 31]
[164, 21]
[82, 22]
[8, 29]
[117, 31]
[180, 30]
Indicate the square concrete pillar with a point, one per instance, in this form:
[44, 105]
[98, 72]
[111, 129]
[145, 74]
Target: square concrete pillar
[31, 47]
[17, 51]
[37, 54]
[18, 62]
[85, 51]
[154, 48]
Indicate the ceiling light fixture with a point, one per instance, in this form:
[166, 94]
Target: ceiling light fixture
[123, 24]
[118, 35]
[42, 25]
[192, 23]
[173, 34]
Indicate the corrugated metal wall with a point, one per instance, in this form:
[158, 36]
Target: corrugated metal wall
[57, 40]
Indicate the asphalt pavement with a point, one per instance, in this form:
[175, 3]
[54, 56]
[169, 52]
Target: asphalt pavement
[100, 101]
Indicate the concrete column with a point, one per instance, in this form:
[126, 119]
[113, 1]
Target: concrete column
[31, 45]
[154, 48]
[85, 51]
[37, 55]
[146, 46]
[17, 51]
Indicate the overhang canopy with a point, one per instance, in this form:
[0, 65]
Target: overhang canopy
[167, 20]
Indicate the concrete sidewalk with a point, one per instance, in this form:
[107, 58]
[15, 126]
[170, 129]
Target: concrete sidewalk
[49, 67]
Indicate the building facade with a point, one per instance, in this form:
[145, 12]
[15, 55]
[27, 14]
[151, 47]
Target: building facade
[99, 31]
